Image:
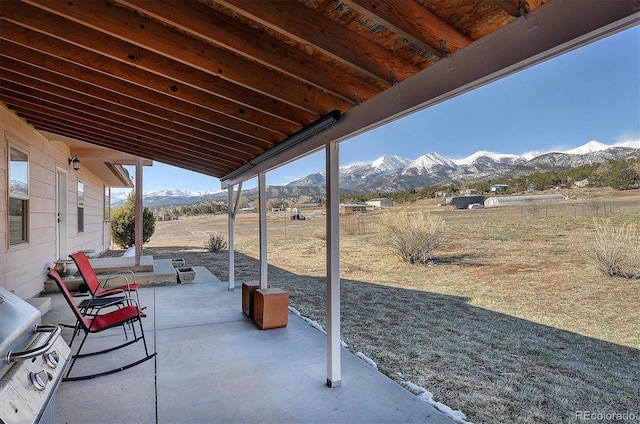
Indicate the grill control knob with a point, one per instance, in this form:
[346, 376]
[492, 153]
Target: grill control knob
[40, 379]
[52, 358]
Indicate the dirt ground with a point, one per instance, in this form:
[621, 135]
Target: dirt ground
[512, 323]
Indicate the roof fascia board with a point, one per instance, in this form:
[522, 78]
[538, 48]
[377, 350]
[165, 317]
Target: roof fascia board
[121, 174]
[549, 31]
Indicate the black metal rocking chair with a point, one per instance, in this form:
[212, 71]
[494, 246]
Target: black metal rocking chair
[129, 314]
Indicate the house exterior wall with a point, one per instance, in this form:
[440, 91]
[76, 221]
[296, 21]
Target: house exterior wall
[23, 266]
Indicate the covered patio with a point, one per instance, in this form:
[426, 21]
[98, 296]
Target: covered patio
[234, 89]
[215, 365]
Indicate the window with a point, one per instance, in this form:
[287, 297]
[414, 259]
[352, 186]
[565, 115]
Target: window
[18, 195]
[80, 206]
[107, 203]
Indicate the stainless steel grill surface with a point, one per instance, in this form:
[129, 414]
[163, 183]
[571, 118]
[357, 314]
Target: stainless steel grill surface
[32, 362]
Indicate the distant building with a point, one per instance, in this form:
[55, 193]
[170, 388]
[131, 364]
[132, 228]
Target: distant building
[580, 184]
[523, 200]
[347, 208]
[463, 202]
[499, 188]
[380, 203]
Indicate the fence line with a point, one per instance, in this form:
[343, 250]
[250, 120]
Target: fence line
[595, 208]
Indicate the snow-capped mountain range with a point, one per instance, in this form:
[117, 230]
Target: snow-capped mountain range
[395, 173]
[166, 197]
[392, 173]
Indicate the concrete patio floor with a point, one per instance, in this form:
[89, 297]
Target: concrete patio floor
[214, 364]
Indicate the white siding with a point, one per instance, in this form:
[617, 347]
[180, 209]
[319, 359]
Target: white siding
[23, 267]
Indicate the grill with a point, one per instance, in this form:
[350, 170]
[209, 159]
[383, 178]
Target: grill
[33, 359]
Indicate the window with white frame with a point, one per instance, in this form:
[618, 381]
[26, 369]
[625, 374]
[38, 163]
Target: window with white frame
[107, 203]
[80, 206]
[18, 195]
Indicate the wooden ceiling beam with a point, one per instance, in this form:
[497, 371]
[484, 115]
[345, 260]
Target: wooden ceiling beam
[68, 108]
[154, 36]
[65, 118]
[512, 7]
[47, 23]
[561, 27]
[82, 93]
[200, 20]
[310, 28]
[509, 6]
[415, 23]
[145, 80]
[127, 89]
[200, 163]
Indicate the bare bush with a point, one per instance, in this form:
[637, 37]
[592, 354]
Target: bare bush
[593, 207]
[412, 238]
[616, 251]
[216, 243]
[349, 224]
[320, 233]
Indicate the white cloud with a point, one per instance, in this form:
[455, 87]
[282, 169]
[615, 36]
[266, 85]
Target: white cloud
[628, 139]
[633, 144]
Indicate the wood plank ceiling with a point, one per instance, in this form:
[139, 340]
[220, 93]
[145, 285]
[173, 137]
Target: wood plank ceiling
[209, 85]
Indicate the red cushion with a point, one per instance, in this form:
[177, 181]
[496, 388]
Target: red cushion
[113, 318]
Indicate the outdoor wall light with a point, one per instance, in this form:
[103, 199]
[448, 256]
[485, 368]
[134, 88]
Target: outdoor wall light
[75, 162]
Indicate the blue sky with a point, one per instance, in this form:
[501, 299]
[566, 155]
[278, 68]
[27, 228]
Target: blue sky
[592, 93]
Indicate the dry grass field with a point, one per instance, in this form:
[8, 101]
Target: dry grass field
[512, 324]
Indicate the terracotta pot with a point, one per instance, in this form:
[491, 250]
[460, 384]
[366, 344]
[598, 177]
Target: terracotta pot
[65, 268]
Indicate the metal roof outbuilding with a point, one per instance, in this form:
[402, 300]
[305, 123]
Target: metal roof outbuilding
[523, 200]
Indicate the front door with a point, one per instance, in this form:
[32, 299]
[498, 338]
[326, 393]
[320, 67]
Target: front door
[61, 214]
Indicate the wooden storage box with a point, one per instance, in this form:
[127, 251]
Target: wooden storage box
[248, 292]
[271, 308]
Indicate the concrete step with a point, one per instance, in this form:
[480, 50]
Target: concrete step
[203, 275]
[162, 274]
[115, 264]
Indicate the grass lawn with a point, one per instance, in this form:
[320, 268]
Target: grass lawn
[513, 323]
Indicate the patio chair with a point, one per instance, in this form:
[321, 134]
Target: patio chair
[129, 314]
[100, 289]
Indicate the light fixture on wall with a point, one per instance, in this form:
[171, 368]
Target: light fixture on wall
[75, 162]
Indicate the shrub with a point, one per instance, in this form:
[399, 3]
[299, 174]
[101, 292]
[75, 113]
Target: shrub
[616, 251]
[412, 238]
[123, 223]
[349, 224]
[320, 233]
[215, 243]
